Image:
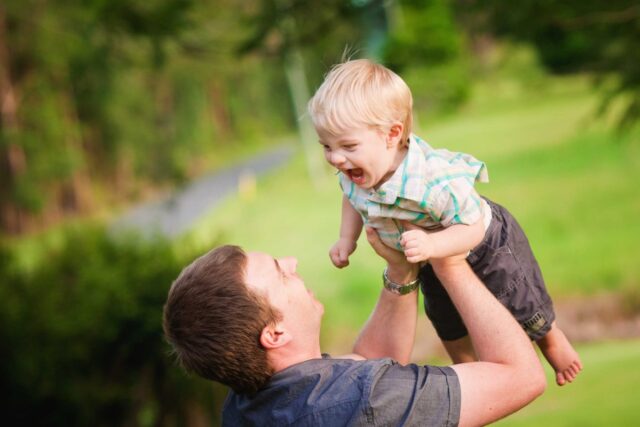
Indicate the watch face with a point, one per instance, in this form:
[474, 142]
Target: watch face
[397, 288]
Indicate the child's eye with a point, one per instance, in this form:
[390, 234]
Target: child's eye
[350, 147]
[326, 148]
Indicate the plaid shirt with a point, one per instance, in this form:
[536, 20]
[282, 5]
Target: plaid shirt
[431, 188]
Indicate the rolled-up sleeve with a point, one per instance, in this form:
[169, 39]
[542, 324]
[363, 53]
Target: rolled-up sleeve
[415, 395]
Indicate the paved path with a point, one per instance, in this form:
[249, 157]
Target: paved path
[176, 214]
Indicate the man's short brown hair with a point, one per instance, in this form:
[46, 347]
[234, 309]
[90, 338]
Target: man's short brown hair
[214, 321]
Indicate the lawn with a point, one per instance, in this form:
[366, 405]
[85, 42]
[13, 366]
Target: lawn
[605, 393]
[569, 180]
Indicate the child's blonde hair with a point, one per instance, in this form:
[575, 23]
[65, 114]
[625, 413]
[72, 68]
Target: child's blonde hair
[361, 93]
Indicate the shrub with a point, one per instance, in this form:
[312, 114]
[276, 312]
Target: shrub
[82, 338]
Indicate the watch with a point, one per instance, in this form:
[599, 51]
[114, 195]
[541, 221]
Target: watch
[397, 288]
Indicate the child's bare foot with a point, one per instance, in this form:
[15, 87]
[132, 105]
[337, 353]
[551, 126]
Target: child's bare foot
[560, 354]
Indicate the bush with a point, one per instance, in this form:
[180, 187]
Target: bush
[426, 48]
[82, 338]
[439, 89]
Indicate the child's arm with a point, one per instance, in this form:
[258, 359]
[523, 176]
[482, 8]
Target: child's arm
[350, 229]
[419, 245]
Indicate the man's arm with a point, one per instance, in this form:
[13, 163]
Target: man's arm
[390, 331]
[508, 374]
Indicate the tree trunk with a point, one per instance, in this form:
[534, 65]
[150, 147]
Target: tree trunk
[299, 90]
[13, 162]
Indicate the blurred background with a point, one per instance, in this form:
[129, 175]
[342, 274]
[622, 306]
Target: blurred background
[135, 135]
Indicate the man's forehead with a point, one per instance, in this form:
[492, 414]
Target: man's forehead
[261, 269]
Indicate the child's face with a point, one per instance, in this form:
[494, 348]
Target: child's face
[366, 156]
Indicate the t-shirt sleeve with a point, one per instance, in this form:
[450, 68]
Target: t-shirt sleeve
[415, 395]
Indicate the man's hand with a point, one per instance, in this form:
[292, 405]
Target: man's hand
[340, 251]
[393, 312]
[418, 245]
[399, 270]
[390, 255]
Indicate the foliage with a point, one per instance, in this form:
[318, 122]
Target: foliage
[279, 26]
[574, 35]
[82, 336]
[65, 69]
[120, 94]
[102, 100]
[424, 33]
[426, 46]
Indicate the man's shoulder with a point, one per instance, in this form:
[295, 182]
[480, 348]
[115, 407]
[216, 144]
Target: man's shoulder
[342, 391]
[312, 390]
[328, 372]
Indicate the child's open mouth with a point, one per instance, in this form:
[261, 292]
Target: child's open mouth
[356, 175]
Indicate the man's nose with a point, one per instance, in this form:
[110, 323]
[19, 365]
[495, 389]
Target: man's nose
[290, 263]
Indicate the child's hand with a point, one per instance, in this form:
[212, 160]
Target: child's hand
[418, 245]
[340, 251]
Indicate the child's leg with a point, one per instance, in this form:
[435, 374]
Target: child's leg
[509, 269]
[560, 354]
[460, 350]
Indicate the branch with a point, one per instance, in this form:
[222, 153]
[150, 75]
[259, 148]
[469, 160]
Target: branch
[603, 17]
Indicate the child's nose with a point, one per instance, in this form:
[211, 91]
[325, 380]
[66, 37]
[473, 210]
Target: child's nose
[336, 159]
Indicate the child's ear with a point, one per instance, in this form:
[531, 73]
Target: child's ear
[394, 136]
[274, 336]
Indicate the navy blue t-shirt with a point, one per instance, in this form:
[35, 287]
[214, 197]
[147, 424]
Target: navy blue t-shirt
[343, 392]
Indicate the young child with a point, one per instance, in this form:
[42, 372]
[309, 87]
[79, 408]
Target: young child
[363, 115]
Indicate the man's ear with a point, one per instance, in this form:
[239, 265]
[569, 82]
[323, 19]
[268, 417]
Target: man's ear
[274, 336]
[394, 136]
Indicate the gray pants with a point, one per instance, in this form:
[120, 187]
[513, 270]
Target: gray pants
[506, 265]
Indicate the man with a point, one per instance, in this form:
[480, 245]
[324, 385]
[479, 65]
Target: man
[248, 321]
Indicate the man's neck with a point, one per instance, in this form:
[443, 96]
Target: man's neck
[284, 357]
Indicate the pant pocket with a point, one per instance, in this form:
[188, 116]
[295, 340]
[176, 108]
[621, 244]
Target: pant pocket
[498, 269]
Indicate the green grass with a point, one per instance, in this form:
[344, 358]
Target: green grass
[569, 181]
[605, 393]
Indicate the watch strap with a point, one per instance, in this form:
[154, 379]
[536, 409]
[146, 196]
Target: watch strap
[397, 288]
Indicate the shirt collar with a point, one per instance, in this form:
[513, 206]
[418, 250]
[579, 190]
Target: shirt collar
[400, 184]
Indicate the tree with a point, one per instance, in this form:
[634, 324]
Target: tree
[425, 45]
[82, 342]
[62, 68]
[574, 35]
[285, 29]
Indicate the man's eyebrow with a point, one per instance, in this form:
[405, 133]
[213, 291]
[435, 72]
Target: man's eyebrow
[280, 272]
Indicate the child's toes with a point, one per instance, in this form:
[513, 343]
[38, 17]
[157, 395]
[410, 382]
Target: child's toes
[578, 367]
[575, 368]
[569, 375]
[560, 379]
